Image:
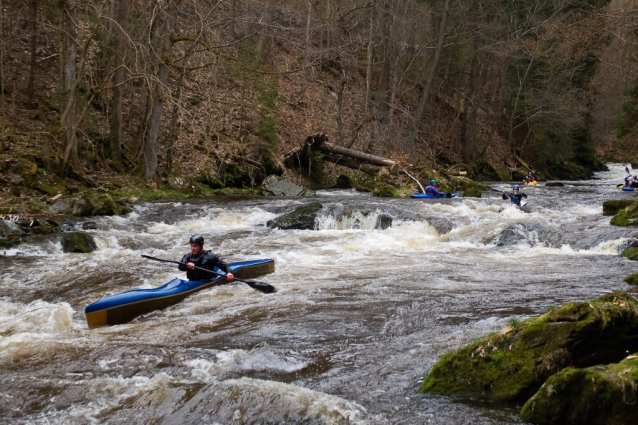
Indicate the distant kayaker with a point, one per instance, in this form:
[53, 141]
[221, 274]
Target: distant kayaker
[431, 189]
[515, 197]
[631, 181]
[203, 259]
[531, 177]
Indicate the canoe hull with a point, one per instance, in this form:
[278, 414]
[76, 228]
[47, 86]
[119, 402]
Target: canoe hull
[124, 307]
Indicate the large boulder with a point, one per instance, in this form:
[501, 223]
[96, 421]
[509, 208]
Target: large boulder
[532, 234]
[89, 204]
[302, 218]
[597, 395]
[78, 242]
[275, 186]
[627, 216]
[9, 229]
[613, 206]
[512, 365]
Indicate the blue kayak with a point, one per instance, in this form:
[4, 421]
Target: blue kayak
[121, 308]
[628, 189]
[424, 196]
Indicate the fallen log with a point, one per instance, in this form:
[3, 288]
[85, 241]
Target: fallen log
[361, 156]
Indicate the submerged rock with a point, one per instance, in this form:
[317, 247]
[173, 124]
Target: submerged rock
[302, 218]
[275, 186]
[603, 394]
[513, 364]
[532, 234]
[78, 242]
[554, 184]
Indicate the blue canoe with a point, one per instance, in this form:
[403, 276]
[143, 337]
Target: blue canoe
[424, 196]
[121, 308]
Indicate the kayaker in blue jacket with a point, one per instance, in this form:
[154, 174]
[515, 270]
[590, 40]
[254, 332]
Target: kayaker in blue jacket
[515, 197]
[431, 189]
[203, 259]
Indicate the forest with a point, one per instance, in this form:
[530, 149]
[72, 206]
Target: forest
[220, 91]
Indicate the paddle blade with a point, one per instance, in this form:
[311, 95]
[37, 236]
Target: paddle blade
[627, 170]
[448, 195]
[264, 287]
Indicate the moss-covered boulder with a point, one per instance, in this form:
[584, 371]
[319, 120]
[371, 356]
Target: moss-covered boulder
[613, 206]
[302, 218]
[88, 205]
[38, 179]
[78, 242]
[384, 190]
[276, 186]
[598, 395]
[511, 365]
[472, 192]
[631, 254]
[627, 216]
[632, 279]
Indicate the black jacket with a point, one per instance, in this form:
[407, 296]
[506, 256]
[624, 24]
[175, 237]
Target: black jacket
[516, 199]
[206, 260]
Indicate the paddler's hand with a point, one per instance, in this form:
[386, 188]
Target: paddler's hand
[190, 266]
[230, 276]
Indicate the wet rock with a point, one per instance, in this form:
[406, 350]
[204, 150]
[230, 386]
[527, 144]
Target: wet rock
[597, 395]
[442, 225]
[275, 186]
[384, 221]
[343, 182]
[8, 242]
[612, 207]
[89, 225]
[532, 234]
[512, 365]
[78, 242]
[627, 216]
[301, 218]
[632, 279]
[554, 184]
[68, 226]
[472, 192]
[383, 190]
[89, 205]
[631, 254]
[10, 229]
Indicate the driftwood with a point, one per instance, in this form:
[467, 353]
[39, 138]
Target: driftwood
[317, 147]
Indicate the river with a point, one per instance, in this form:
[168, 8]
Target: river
[360, 316]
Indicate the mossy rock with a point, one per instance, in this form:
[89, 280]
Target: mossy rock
[613, 206]
[472, 192]
[511, 365]
[632, 279]
[597, 395]
[626, 217]
[302, 218]
[276, 186]
[631, 254]
[384, 190]
[92, 204]
[362, 182]
[78, 242]
[38, 179]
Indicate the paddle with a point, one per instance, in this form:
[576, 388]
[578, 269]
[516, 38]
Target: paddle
[264, 287]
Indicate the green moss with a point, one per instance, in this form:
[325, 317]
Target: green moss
[632, 279]
[612, 207]
[628, 216]
[512, 365]
[631, 253]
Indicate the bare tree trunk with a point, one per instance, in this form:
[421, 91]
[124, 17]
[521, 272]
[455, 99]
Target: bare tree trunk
[2, 87]
[344, 80]
[468, 130]
[34, 31]
[426, 91]
[306, 60]
[150, 151]
[118, 81]
[369, 63]
[69, 74]
[512, 118]
[233, 16]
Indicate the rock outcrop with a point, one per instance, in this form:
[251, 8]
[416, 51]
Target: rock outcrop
[78, 242]
[513, 364]
[302, 218]
[275, 186]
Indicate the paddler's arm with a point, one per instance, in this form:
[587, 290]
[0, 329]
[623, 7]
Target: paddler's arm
[183, 267]
[215, 261]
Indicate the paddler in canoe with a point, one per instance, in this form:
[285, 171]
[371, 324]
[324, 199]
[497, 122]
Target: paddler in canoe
[515, 197]
[198, 258]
